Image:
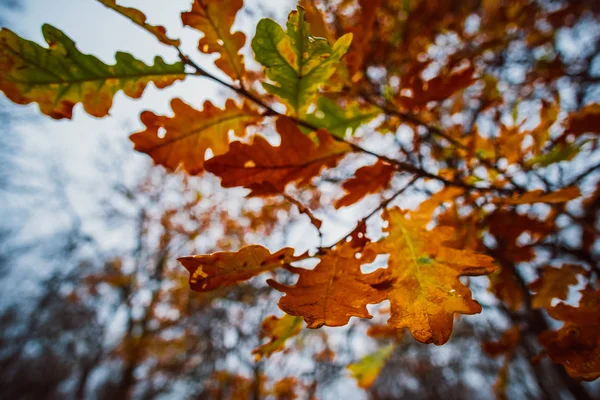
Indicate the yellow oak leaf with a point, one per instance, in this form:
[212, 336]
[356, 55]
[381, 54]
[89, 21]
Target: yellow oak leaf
[279, 330]
[425, 288]
[190, 133]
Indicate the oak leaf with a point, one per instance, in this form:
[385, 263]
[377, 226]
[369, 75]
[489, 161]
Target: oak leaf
[585, 120]
[138, 18]
[215, 19]
[576, 345]
[554, 283]
[279, 330]
[297, 62]
[341, 121]
[366, 180]
[190, 133]
[363, 31]
[539, 196]
[425, 288]
[213, 271]
[334, 291]
[366, 370]
[296, 159]
[60, 76]
[507, 288]
[437, 89]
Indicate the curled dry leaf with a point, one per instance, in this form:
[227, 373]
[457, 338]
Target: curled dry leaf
[215, 19]
[366, 180]
[213, 271]
[60, 76]
[138, 18]
[334, 291]
[278, 330]
[190, 133]
[296, 159]
[425, 288]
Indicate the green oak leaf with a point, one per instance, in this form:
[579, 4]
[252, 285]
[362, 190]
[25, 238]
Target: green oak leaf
[560, 152]
[366, 370]
[341, 121]
[60, 76]
[297, 62]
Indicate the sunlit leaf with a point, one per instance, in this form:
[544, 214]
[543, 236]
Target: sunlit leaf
[425, 288]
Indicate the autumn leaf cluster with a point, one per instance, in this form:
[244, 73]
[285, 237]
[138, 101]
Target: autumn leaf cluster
[332, 81]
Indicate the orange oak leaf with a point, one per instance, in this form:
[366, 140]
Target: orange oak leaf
[538, 196]
[363, 32]
[576, 345]
[215, 18]
[190, 133]
[139, 18]
[584, 121]
[315, 18]
[367, 180]
[507, 226]
[554, 283]
[334, 291]
[297, 159]
[437, 89]
[279, 330]
[505, 345]
[506, 287]
[213, 271]
[425, 288]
